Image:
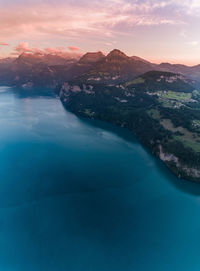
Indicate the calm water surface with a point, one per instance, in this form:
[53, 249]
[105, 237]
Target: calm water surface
[79, 195]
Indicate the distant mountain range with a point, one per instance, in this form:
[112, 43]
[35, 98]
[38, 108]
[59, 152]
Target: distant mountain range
[49, 70]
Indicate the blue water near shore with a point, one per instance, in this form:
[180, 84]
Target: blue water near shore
[78, 195]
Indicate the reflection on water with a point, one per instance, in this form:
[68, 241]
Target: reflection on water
[84, 195]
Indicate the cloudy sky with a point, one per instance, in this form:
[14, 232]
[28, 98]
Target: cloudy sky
[165, 30]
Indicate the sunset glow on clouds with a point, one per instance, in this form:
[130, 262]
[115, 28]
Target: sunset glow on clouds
[4, 44]
[23, 47]
[158, 30]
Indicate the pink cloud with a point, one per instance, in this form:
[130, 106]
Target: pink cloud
[61, 51]
[102, 19]
[73, 48]
[23, 47]
[4, 44]
[56, 50]
[80, 22]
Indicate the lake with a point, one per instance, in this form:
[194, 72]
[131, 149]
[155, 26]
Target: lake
[81, 195]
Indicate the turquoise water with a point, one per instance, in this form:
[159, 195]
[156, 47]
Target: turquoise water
[86, 196]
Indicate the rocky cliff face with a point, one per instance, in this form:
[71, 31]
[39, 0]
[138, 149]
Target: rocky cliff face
[91, 58]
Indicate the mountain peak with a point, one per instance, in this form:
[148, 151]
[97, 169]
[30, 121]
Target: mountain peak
[117, 53]
[30, 58]
[116, 56]
[92, 57]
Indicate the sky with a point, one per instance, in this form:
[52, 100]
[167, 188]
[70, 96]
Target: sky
[160, 31]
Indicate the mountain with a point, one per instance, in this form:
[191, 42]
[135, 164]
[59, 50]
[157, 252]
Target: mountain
[161, 108]
[116, 67]
[83, 65]
[30, 70]
[48, 59]
[116, 56]
[192, 72]
[38, 69]
[7, 60]
[158, 80]
[91, 58]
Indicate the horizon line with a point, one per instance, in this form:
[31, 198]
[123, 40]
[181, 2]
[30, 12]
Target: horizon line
[81, 53]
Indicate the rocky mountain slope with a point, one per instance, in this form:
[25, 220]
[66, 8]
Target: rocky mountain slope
[32, 70]
[116, 67]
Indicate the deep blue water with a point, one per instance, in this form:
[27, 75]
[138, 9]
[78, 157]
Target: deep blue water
[78, 195]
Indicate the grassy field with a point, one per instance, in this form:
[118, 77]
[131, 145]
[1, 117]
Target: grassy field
[173, 99]
[188, 138]
[154, 113]
[138, 80]
[193, 144]
[177, 96]
[167, 124]
[170, 103]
